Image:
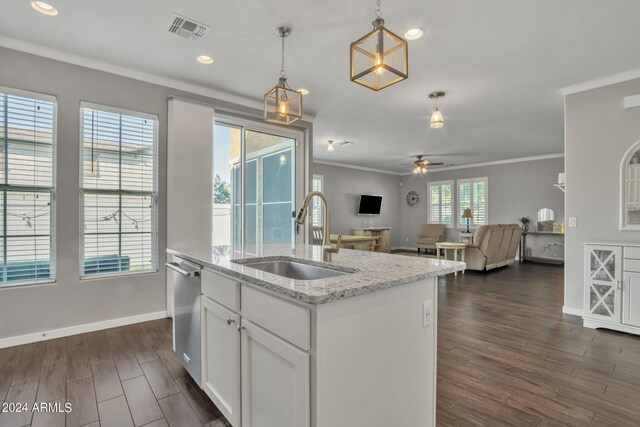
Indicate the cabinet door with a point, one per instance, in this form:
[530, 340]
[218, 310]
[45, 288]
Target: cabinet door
[221, 358]
[275, 380]
[603, 280]
[631, 299]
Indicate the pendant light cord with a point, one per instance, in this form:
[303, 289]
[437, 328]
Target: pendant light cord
[282, 72]
[378, 12]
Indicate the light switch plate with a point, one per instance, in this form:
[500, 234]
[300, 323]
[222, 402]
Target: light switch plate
[573, 221]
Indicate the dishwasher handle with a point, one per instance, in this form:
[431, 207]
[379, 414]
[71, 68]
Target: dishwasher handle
[176, 267]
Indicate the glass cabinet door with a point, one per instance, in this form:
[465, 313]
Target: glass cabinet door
[602, 282]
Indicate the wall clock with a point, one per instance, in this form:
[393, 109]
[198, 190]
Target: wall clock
[413, 199]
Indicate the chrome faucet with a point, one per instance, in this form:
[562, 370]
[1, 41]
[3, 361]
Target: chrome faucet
[328, 248]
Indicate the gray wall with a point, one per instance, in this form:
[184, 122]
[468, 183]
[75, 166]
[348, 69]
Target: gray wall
[70, 301]
[515, 190]
[598, 131]
[343, 186]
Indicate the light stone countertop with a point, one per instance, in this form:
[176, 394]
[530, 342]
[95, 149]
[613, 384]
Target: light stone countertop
[371, 271]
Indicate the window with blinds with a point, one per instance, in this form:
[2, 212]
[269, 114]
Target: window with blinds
[118, 180]
[27, 179]
[472, 194]
[440, 202]
[316, 205]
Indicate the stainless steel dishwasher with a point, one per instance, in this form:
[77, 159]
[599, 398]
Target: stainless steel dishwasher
[186, 315]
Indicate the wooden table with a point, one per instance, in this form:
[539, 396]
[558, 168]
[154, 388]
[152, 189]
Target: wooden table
[456, 247]
[348, 241]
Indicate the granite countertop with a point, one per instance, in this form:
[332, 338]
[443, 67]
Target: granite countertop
[371, 271]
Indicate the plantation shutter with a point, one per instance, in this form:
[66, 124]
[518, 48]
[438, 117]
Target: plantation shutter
[316, 206]
[472, 194]
[27, 146]
[118, 191]
[440, 203]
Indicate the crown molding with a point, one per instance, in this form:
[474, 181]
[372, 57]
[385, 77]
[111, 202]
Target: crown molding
[348, 166]
[94, 64]
[604, 81]
[496, 162]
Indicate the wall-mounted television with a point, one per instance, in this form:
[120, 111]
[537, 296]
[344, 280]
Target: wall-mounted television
[369, 204]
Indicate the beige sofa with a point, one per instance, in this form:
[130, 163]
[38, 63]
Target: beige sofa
[430, 235]
[494, 246]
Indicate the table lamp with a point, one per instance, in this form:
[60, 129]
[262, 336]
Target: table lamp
[468, 216]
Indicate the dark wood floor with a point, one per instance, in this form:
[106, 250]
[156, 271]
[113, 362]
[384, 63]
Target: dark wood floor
[119, 377]
[506, 356]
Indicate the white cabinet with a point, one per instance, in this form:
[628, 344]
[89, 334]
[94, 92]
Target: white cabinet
[603, 282]
[221, 358]
[631, 308]
[274, 390]
[275, 380]
[612, 287]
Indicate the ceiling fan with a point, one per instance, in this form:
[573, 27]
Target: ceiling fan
[421, 166]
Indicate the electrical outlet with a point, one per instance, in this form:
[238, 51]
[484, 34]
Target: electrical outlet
[427, 314]
[573, 222]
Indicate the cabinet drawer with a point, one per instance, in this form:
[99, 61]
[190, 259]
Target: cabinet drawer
[221, 289]
[632, 265]
[632, 252]
[283, 318]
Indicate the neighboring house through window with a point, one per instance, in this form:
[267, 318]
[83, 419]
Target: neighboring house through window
[27, 182]
[118, 188]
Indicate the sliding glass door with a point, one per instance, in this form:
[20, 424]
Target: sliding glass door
[254, 184]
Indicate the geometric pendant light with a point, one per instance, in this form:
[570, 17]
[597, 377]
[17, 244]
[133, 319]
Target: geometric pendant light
[437, 121]
[379, 58]
[282, 104]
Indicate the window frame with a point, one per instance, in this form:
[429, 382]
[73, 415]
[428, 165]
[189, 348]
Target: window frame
[453, 201]
[461, 223]
[53, 267]
[154, 194]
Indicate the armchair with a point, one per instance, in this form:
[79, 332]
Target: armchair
[430, 235]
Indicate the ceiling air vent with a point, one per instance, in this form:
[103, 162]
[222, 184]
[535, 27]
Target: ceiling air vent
[186, 28]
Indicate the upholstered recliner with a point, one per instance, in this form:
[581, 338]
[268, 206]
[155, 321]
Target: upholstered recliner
[494, 246]
[430, 235]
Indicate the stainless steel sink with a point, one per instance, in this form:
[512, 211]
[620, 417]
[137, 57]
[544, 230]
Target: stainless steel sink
[292, 269]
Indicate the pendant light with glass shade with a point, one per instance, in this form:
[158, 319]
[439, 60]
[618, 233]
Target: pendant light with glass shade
[282, 104]
[437, 121]
[380, 58]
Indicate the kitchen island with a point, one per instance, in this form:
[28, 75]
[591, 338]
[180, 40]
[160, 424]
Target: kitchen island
[291, 340]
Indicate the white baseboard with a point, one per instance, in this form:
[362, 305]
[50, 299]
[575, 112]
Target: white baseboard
[571, 310]
[80, 329]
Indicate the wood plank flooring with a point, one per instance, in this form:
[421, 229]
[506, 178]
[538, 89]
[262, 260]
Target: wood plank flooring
[121, 377]
[506, 356]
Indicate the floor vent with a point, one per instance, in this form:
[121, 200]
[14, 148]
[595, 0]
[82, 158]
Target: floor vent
[186, 28]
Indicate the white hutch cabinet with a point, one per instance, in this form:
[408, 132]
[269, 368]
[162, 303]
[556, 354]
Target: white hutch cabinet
[612, 286]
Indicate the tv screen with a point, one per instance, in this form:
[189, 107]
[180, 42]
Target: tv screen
[369, 205]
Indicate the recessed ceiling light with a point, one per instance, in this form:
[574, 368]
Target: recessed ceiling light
[204, 59]
[413, 34]
[303, 91]
[45, 8]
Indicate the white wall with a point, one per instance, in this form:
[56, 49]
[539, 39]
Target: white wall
[343, 186]
[70, 301]
[515, 190]
[598, 131]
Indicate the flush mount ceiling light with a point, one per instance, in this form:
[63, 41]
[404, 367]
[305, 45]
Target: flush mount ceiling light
[46, 8]
[413, 34]
[437, 121]
[282, 104]
[330, 147]
[204, 59]
[379, 58]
